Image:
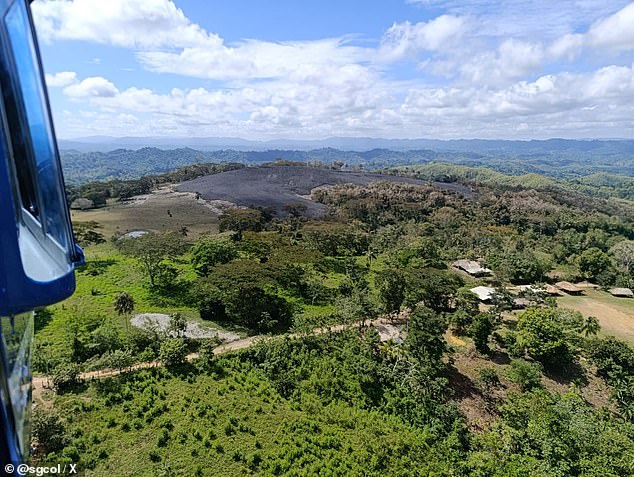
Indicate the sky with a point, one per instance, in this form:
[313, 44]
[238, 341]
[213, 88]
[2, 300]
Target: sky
[312, 69]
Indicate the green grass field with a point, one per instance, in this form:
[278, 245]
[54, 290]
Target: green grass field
[106, 274]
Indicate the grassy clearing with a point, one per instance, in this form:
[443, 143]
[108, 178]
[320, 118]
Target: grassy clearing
[616, 315]
[151, 213]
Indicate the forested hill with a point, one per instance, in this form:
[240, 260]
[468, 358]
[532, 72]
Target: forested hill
[598, 184]
[557, 158]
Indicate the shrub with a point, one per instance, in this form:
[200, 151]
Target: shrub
[489, 379]
[541, 333]
[66, 376]
[173, 352]
[49, 429]
[527, 375]
[480, 330]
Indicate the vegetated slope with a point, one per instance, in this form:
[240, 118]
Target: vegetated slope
[598, 184]
[343, 403]
[275, 187]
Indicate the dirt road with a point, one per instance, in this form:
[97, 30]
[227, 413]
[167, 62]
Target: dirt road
[40, 383]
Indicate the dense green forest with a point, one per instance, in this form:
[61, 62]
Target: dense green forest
[460, 388]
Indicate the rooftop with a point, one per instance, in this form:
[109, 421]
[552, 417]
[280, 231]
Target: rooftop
[483, 293]
[471, 267]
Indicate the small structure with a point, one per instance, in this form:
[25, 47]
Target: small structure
[552, 290]
[621, 292]
[134, 234]
[569, 288]
[484, 294]
[520, 303]
[587, 285]
[471, 267]
[82, 204]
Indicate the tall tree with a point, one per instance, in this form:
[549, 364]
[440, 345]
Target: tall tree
[425, 340]
[152, 249]
[207, 253]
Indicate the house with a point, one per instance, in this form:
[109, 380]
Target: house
[471, 267]
[485, 294]
[569, 288]
[621, 292]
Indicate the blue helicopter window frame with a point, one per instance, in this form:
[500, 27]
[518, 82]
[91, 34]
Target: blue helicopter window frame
[43, 216]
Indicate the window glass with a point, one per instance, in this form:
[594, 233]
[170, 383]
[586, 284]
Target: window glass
[17, 335]
[33, 137]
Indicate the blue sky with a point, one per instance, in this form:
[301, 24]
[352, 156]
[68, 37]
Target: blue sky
[315, 69]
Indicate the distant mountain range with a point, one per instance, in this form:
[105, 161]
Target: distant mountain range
[558, 158]
[358, 144]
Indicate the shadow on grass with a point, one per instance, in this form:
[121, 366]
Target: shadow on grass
[571, 373]
[499, 357]
[509, 323]
[96, 267]
[461, 384]
[176, 295]
[42, 318]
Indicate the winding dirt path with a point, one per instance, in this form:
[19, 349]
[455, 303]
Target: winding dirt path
[41, 383]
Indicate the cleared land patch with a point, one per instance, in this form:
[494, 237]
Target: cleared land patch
[277, 186]
[163, 209]
[193, 330]
[616, 315]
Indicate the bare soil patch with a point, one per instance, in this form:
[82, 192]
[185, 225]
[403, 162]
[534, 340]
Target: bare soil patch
[193, 330]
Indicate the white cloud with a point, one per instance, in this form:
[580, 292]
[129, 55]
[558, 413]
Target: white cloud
[481, 72]
[615, 32]
[61, 79]
[126, 23]
[253, 59]
[600, 103]
[544, 19]
[93, 87]
[406, 39]
[513, 59]
[568, 46]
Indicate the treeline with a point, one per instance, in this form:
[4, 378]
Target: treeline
[596, 184]
[100, 192]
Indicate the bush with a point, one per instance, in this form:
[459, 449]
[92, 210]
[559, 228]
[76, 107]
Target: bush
[49, 429]
[480, 330]
[527, 375]
[489, 379]
[173, 352]
[209, 252]
[65, 376]
[611, 356]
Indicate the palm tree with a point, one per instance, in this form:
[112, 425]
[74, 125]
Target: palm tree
[591, 326]
[124, 305]
[391, 352]
[369, 256]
